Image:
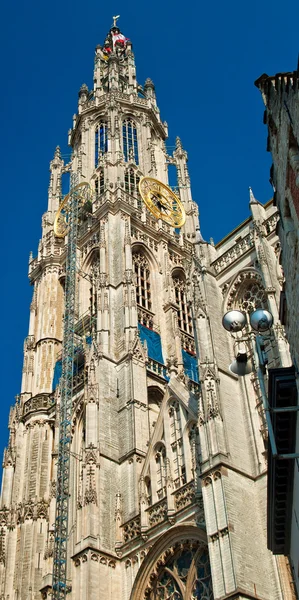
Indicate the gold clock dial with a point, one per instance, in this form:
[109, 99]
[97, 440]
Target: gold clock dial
[84, 194]
[162, 202]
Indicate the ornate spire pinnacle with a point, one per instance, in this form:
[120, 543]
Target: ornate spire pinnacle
[57, 153]
[198, 237]
[252, 199]
[178, 143]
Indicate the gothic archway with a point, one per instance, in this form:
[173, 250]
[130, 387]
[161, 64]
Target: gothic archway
[180, 571]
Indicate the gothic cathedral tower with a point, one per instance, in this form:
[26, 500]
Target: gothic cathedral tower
[168, 471]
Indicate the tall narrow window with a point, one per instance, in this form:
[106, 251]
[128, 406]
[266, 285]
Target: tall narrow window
[195, 450]
[161, 470]
[142, 281]
[101, 141]
[177, 445]
[131, 185]
[183, 311]
[99, 183]
[130, 144]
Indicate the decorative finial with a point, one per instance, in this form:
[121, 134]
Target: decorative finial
[57, 153]
[115, 19]
[178, 143]
[252, 199]
[149, 83]
[83, 91]
[84, 88]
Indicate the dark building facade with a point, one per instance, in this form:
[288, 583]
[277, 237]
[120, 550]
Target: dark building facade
[280, 95]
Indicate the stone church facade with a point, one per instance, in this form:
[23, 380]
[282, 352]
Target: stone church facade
[168, 475]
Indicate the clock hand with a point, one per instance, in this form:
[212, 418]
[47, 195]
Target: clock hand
[158, 199]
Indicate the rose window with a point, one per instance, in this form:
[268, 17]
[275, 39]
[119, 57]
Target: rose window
[252, 297]
[185, 575]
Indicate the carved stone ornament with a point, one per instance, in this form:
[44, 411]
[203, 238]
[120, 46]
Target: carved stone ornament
[95, 556]
[132, 529]
[2, 546]
[41, 402]
[157, 513]
[184, 496]
[90, 496]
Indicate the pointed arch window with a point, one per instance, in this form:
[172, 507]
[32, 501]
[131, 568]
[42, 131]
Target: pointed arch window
[176, 441]
[142, 281]
[183, 310]
[99, 183]
[130, 142]
[101, 141]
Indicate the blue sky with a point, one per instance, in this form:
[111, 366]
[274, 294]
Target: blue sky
[203, 59]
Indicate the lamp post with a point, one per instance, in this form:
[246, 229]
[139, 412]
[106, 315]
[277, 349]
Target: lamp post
[261, 322]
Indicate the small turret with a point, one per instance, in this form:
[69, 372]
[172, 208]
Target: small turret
[83, 96]
[149, 90]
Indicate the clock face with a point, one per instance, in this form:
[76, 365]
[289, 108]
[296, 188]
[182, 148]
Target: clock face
[162, 202]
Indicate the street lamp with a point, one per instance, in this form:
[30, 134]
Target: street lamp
[235, 321]
[261, 321]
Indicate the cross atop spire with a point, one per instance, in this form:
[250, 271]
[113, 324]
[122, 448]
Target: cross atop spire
[115, 19]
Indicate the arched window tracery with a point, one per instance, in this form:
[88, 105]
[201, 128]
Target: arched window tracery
[130, 142]
[248, 293]
[101, 141]
[252, 296]
[142, 281]
[183, 310]
[186, 575]
[177, 446]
